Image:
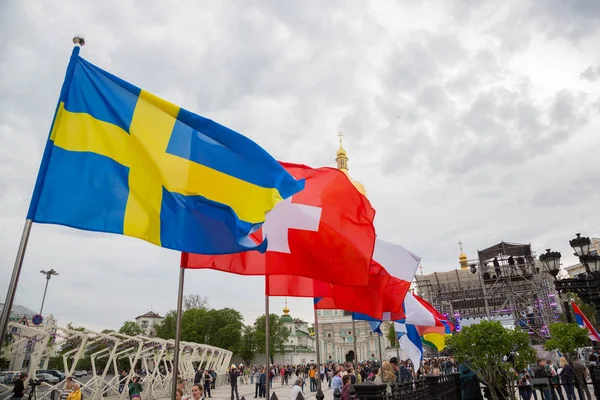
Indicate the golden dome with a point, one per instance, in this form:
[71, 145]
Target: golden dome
[286, 310]
[462, 258]
[342, 164]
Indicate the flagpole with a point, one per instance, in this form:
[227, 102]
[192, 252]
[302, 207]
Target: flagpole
[379, 343]
[267, 344]
[14, 280]
[354, 343]
[318, 348]
[177, 334]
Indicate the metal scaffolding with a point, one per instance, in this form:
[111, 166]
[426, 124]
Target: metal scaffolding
[505, 281]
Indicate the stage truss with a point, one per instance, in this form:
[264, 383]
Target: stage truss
[515, 287]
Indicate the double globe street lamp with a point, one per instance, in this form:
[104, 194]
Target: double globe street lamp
[585, 285]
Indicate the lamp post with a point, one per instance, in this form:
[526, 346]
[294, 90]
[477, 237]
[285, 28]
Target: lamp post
[586, 286]
[551, 262]
[48, 276]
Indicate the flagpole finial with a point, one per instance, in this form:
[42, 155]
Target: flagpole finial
[79, 41]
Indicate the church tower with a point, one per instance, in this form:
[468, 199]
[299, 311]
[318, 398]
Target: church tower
[462, 258]
[335, 326]
[341, 158]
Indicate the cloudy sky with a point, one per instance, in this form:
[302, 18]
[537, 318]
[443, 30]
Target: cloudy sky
[465, 120]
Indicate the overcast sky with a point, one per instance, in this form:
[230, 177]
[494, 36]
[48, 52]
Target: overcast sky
[465, 120]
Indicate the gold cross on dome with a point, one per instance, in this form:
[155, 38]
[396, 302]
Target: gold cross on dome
[460, 244]
[340, 136]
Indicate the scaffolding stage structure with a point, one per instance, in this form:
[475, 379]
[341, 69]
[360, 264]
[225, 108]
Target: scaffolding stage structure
[505, 281]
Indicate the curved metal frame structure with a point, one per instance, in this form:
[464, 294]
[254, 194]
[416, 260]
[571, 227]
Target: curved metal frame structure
[41, 343]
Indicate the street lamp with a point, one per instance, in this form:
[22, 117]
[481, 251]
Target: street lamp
[551, 262]
[581, 245]
[48, 276]
[586, 286]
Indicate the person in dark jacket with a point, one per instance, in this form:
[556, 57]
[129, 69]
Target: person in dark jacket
[580, 381]
[233, 380]
[19, 386]
[263, 383]
[567, 378]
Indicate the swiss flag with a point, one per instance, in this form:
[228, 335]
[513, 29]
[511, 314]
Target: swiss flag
[363, 299]
[385, 293]
[324, 232]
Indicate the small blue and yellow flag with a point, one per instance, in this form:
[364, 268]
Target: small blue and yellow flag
[122, 160]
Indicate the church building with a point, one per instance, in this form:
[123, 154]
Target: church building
[335, 326]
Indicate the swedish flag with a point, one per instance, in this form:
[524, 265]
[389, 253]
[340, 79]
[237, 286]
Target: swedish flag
[122, 160]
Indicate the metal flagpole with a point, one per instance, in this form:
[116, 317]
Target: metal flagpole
[267, 344]
[354, 343]
[318, 348]
[379, 343]
[177, 334]
[14, 280]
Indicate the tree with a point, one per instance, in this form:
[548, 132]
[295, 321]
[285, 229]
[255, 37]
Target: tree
[391, 334]
[166, 328]
[566, 338]
[247, 348]
[194, 301]
[215, 327]
[484, 347]
[278, 335]
[130, 328]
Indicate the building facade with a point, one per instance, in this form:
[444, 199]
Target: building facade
[148, 323]
[300, 347]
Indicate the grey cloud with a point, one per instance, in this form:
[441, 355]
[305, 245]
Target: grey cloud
[591, 74]
[451, 140]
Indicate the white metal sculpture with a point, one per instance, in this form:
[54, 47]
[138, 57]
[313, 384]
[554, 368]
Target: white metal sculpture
[106, 351]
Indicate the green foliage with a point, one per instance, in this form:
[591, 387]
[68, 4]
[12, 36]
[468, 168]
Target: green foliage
[483, 347]
[391, 335]
[247, 348]
[130, 328]
[566, 338]
[166, 328]
[278, 335]
[220, 328]
[75, 328]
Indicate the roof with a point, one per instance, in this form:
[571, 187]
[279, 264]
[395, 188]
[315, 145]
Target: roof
[455, 276]
[286, 319]
[505, 248]
[18, 310]
[150, 314]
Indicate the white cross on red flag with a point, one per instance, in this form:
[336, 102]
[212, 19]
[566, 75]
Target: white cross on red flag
[324, 232]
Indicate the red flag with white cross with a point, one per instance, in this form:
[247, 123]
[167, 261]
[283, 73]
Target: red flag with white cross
[324, 232]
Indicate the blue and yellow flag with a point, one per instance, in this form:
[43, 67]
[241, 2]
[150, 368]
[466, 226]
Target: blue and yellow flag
[122, 160]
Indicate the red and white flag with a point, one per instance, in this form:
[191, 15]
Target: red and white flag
[324, 232]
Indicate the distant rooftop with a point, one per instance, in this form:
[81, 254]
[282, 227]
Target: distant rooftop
[150, 314]
[18, 310]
